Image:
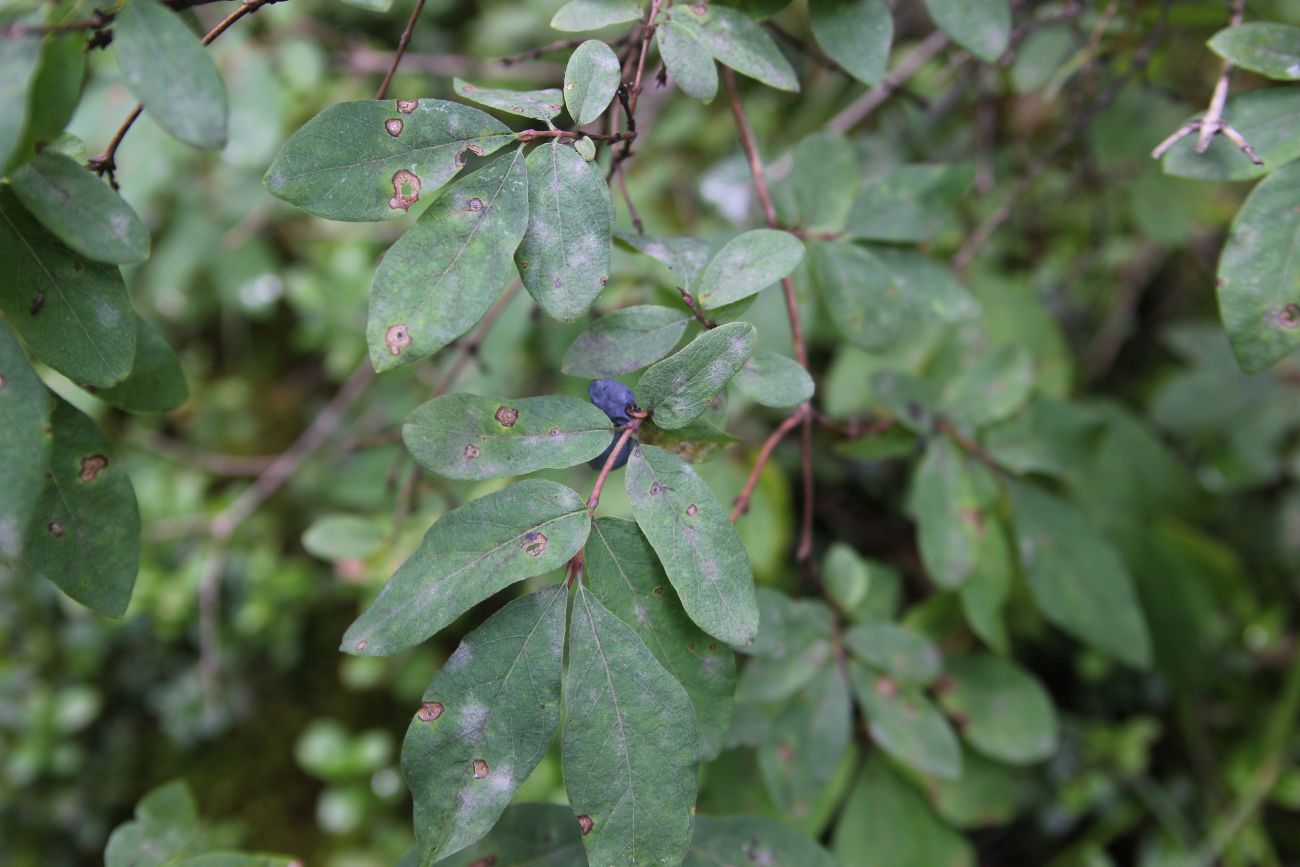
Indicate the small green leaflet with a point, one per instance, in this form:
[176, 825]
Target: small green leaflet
[544, 105]
[737, 41]
[55, 91]
[688, 61]
[623, 572]
[1266, 47]
[909, 203]
[374, 159]
[983, 27]
[906, 724]
[625, 340]
[685, 257]
[953, 500]
[894, 650]
[445, 272]
[524, 530]
[887, 823]
[748, 264]
[680, 388]
[823, 181]
[931, 289]
[856, 34]
[991, 389]
[806, 743]
[792, 646]
[545, 835]
[464, 436]
[1259, 273]
[630, 749]
[696, 542]
[1076, 577]
[80, 209]
[24, 445]
[859, 293]
[84, 534]
[336, 537]
[156, 382]
[987, 795]
[485, 722]
[18, 69]
[1007, 714]
[166, 823]
[746, 841]
[590, 80]
[171, 73]
[1266, 117]
[74, 315]
[773, 380]
[580, 15]
[564, 255]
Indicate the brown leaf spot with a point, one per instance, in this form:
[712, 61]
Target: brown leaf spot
[406, 190]
[785, 753]
[585, 824]
[90, 467]
[713, 645]
[485, 861]
[2, 381]
[958, 718]
[406, 106]
[480, 769]
[470, 148]
[56, 529]
[393, 126]
[506, 416]
[361, 645]
[475, 204]
[604, 281]
[658, 591]
[398, 337]
[692, 510]
[1289, 316]
[656, 489]
[886, 687]
[472, 451]
[535, 543]
[944, 685]
[555, 431]
[429, 711]
[37, 303]
[699, 9]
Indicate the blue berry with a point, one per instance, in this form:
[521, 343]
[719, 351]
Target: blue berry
[599, 463]
[612, 398]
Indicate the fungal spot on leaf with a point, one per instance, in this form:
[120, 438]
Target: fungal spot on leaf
[480, 769]
[406, 106]
[585, 824]
[1289, 316]
[429, 711]
[507, 416]
[692, 510]
[393, 126]
[361, 645]
[570, 86]
[604, 281]
[470, 148]
[485, 861]
[558, 283]
[2, 381]
[699, 9]
[554, 107]
[90, 467]
[658, 591]
[398, 337]
[555, 431]
[37, 303]
[656, 489]
[406, 190]
[535, 543]
[475, 204]
[56, 529]
[713, 645]
[886, 687]
[472, 451]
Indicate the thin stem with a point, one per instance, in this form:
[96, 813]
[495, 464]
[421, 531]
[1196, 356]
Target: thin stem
[528, 135]
[694, 305]
[647, 31]
[741, 504]
[862, 107]
[632, 427]
[1213, 119]
[632, 212]
[404, 41]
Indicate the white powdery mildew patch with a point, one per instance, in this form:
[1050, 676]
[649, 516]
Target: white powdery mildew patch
[459, 658]
[642, 616]
[473, 718]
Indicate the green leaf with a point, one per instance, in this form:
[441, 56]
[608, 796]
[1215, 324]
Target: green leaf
[994, 388]
[465, 436]
[544, 105]
[590, 79]
[823, 181]
[987, 794]
[19, 65]
[1076, 577]
[807, 741]
[526, 529]
[737, 41]
[373, 159]
[54, 92]
[166, 822]
[630, 750]
[1266, 47]
[909, 203]
[748, 264]
[933, 293]
[1259, 273]
[982, 27]
[856, 34]
[984, 594]
[170, 71]
[24, 445]
[685, 257]
[237, 859]
[894, 650]
[887, 823]
[697, 442]
[774, 380]
[746, 841]
[953, 500]
[625, 340]
[74, 315]
[623, 572]
[793, 644]
[84, 534]
[545, 835]
[1002, 710]
[905, 724]
[564, 256]
[439, 279]
[580, 15]
[80, 210]
[156, 382]
[1267, 118]
[688, 61]
[343, 537]
[680, 388]
[859, 292]
[485, 722]
[696, 542]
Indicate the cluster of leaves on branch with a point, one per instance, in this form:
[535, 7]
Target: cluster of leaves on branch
[886, 707]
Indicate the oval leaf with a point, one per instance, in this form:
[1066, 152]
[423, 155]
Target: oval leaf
[807, 742]
[445, 272]
[744, 841]
[1003, 710]
[895, 651]
[856, 34]
[905, 724]
[464, 436]
[156, 382]
[580, 15]
[685, 257]
[625, 340]
[538, 104]
[859, 292]
[696, 543]
[485, 722]
[524, 530]
[954, 501]
[630, 751]
[991, 389]
[887, 823]
[748, 264]
[373, 159]
[19, 65]
[1266, 47]
[24, 445]
[774, 380]
[170, 71]
[982, 27]
[688, 60]
[590, 79]
[737, 41]
[680, 388]
[823, 181]
[541, 834]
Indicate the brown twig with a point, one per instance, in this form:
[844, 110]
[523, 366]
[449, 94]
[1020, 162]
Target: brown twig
[402, 42]
[862, 107]
[632, 212]
[98, 20]
[740, 505]
[528, 135]
[632, 427]
[694, 306]
[552, 48]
